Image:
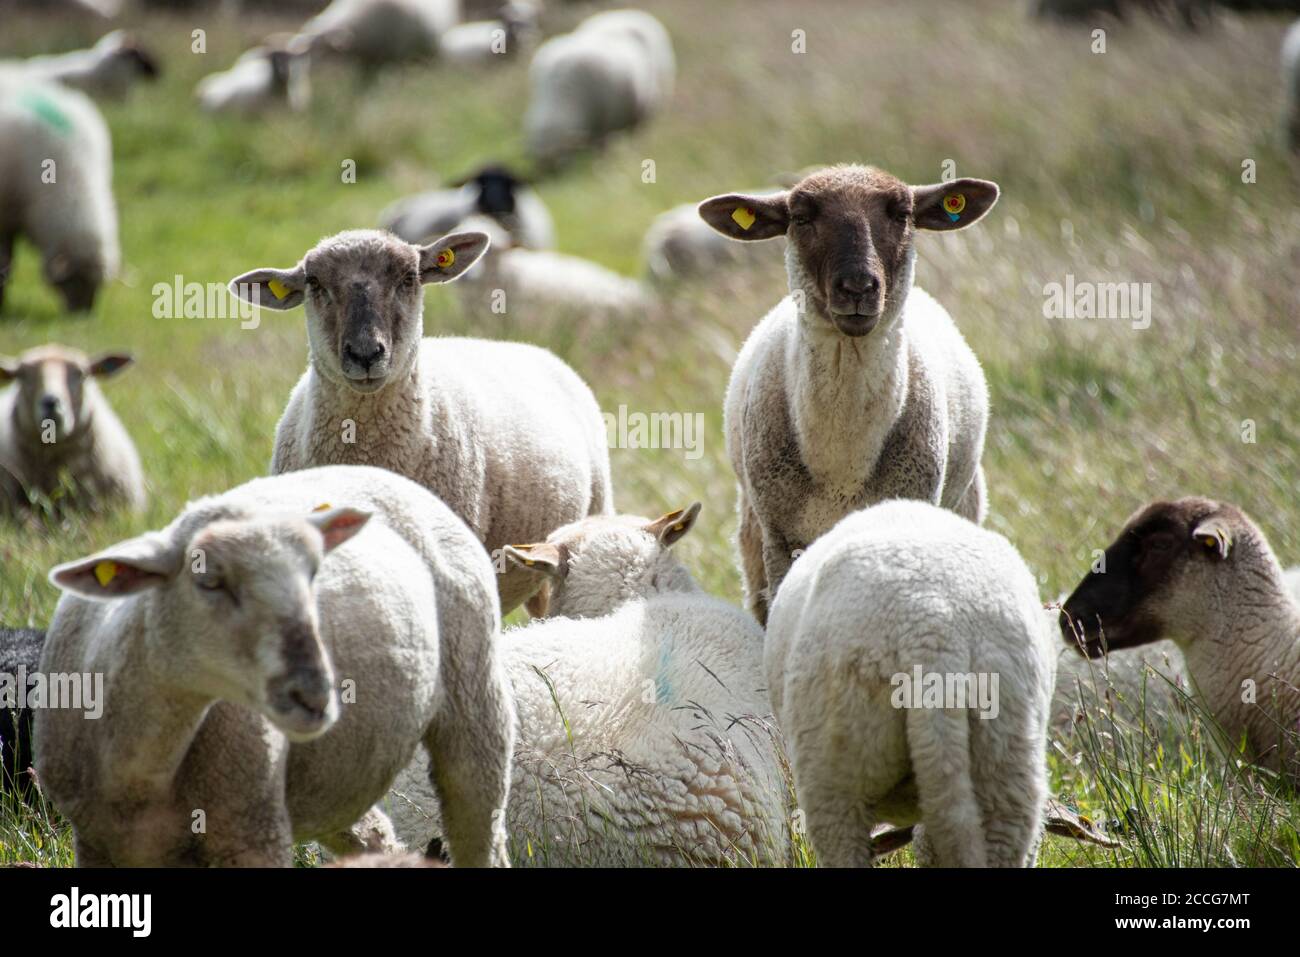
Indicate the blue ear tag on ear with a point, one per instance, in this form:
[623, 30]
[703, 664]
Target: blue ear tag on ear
[954, 216]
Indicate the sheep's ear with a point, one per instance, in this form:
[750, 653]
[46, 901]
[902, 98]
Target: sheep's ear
[271, 288]
[952, 205]
[740, 216]
[109, 364]
[446, 258]
[541, 557]
[128, 567]
[8, 369]
[337, 525]
[671, 527]
[1214, 536]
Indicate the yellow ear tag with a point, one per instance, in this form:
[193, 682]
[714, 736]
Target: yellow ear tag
[744, 217]
[278, 289]
[322, 507]
[105, 572]
[678, 527]
[953, 204]
[445, 258]
[1210, 541]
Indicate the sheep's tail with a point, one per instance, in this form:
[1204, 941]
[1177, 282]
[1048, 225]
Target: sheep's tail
[940, 747]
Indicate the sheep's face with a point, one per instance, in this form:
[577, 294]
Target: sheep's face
[234, 614]
[52, 384]
[365, 304]
[850, 236]
[592, 566]
[1168, 575]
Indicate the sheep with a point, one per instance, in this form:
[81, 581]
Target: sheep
[379, 32]
[20, 657]
[59, 439]
[265, 77]
[505, 433]
[1201, 573]
[56, 172]
[481, 41]
[540, 282]
[610, 74]
[236, 637]
[896, 602]
[855, 387]
[1291, 88]
[679, 245]
[645, 735]
[492, 191]
[109, 69]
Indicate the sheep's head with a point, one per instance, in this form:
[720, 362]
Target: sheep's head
[52, 383]
[850, 231]
[364, 298]
[232, 613]
[1175, 571]
[592, 566]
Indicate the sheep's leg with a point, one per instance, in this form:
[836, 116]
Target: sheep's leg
[939, 743]
[974, 503]
[839, 824]
[1011, 785]
[750, 543]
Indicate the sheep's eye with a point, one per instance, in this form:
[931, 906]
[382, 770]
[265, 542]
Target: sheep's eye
[410, 281]
[803, 217]
[210, 583]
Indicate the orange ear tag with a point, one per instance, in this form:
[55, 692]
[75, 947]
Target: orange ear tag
[744, 217]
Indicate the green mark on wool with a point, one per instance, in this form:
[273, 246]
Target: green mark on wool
[46, 110]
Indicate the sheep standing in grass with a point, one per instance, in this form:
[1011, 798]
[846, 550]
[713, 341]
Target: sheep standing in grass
[644, 732]
[610, 74]
[380, 32]
[59, 439]
[1291, 88]
[56, 176]
[1201, 573]
[110, 68]
[505, 433]
[894, 602]
[234, 639]
[855, 387]
[274, 75]
[492, 191]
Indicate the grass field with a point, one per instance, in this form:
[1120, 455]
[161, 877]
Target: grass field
[1122, 166]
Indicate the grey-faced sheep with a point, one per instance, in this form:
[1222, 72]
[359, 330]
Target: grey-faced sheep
[644, 732]
[56, 185]
[1201, 573]
[234, 639]
[476, 422]
[910, 667]
[492, 191]
[59, 439]
[109, 69]
[610, 74]
[856, 387]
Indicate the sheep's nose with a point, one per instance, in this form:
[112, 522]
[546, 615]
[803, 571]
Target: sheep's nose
[364, 356]
[857, 284]
[50, 406]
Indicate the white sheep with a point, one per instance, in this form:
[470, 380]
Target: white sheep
[505, 433]
[910, 669]
[644, 732]
[491, 191]
[856, 387]
[379, 32]
[610, 74]
[484, 41]
[232, 640]
[56, 176]
[679, 245]
[109, 69]
[1291, 87]
[1201, 573]
[273, 75]
[538, 283]
[59, 439]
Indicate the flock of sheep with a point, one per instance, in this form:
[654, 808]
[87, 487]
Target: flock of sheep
[318, 655]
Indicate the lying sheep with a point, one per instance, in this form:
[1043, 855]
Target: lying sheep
[380, 32]
[679, 245]
[20, 655]
[491, 191]
[56, 174]
[538, 283]
[855, 387]
[894, 603]
[59, 439]
[1291, 88]
[1201, 573]
[236, 637]
[610, 74]
[644, 732]
[482, 41]
[505, 433]
[109, 69]
[274, 75]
